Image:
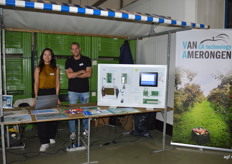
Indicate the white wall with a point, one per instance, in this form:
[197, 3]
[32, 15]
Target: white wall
[211, 12]
[154, 50]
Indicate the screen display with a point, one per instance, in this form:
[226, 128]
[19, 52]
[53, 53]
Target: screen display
[149, 79]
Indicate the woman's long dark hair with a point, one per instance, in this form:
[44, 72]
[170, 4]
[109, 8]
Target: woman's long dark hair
[53, 60]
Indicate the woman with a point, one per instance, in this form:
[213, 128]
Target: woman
[47, 82]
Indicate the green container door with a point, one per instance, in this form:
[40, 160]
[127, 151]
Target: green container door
[107, 47]
[18, 64]
[14, 71]
[110, 47]
[63, 78]
[60, 43]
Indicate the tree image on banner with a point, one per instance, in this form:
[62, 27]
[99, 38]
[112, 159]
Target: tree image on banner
[203, 119]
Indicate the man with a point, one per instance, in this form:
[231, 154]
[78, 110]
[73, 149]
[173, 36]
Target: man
[78, 70]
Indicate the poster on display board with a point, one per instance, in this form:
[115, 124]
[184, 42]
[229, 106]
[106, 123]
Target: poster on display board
[203, 89]
[132, 85]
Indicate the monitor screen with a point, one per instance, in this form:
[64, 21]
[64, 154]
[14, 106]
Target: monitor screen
[148, 79]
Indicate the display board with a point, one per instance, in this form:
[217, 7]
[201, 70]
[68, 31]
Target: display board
[132, 85]
[203, 89]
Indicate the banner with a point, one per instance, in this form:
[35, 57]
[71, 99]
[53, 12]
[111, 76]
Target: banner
[203, 88]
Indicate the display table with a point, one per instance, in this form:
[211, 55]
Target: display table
[61, 114]
[62, 109]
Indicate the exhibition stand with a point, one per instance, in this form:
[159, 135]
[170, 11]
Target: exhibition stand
[48, 17]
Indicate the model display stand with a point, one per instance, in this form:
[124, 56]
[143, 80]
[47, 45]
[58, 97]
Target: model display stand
[132, 85]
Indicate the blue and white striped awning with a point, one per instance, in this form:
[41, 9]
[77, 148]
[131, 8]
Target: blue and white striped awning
[96, 11]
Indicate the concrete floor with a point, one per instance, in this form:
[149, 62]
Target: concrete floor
[122, 149]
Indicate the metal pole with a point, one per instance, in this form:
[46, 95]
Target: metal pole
[1, 109]
[88, 145]
[79, 133]
[201, 147]
[160, 33]
[4, 60]
[88, 151]
[4, 79]
[166, 98]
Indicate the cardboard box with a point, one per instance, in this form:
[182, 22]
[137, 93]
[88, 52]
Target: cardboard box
[100, 121]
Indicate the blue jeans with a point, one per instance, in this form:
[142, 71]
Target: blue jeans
[73, 99]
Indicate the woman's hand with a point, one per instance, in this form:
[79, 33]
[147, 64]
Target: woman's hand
[58, 102]
[34, 103]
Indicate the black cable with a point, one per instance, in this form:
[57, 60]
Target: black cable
[28, 155]
[114, 141]
[94, 142]
[134, 140]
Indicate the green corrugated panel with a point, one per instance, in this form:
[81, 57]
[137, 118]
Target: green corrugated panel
[27, 76]
[95, 49]
[106, 47]
[14, 76]
[86, 49]
[18, 77]
[60, 43]
[108, 62]
[63, 77]
[93, 79]
[93, 99]
[14, 42]
[18, 43]
[110, 47]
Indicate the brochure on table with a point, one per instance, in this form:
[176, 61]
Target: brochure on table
[45, 111]
[122, 110]
[15, 113]
[96, 111]
[7, 101]
[51, 116]
[17, 119]
[16, 116]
